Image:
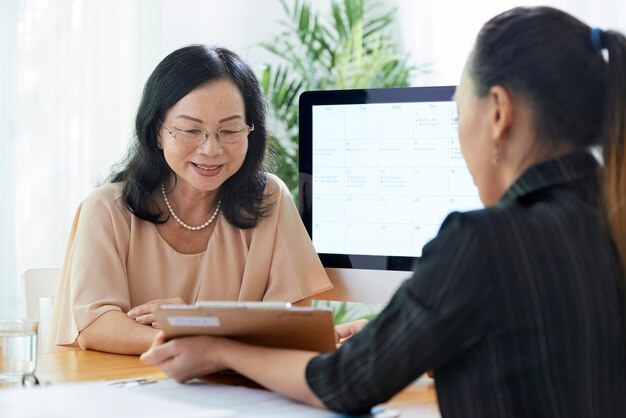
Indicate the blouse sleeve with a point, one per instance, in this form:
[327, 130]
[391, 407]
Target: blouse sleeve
[93, 278]
[295, 270]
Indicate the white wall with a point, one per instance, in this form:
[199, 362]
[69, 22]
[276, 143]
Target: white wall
[442, 32]
[240, 25]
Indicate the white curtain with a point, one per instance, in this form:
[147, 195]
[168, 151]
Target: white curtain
[8, 52]
[73, 71]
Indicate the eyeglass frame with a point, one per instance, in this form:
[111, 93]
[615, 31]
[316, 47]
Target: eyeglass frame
[207, 133]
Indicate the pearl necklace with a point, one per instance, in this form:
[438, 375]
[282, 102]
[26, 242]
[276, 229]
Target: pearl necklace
[181, 223]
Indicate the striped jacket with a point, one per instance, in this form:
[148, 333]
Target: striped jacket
[519, 309]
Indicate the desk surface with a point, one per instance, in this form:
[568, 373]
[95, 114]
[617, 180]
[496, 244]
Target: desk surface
[85, 365]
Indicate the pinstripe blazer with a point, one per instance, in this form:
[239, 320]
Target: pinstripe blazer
[519, 309]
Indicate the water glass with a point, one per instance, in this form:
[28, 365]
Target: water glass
[18, 349]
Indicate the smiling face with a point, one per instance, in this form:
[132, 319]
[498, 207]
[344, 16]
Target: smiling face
[211, 106]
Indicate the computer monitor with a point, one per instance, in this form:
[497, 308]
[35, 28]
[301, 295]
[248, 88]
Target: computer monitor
[379, 171]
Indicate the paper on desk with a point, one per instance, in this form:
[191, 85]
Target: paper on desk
[163, 399]
[246, 402]
[96, 400]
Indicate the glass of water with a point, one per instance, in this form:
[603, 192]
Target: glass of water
[18, 349]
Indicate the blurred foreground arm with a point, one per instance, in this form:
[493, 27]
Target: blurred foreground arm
[281, 371]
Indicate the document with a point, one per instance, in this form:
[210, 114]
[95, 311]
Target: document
[246, 402]
[96, 400]
[161, 399]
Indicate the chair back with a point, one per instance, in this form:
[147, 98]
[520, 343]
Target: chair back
[38, 288]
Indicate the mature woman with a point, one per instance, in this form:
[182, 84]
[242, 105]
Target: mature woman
[519, 307]
[192, 215]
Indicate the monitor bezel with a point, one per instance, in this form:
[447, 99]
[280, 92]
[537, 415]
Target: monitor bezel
[309, 99]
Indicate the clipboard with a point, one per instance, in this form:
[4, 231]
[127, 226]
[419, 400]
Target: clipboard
[269, 324]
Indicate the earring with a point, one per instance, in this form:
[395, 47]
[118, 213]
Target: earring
[495, 154]
[159, 145]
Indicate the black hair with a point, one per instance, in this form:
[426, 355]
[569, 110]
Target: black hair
[144, 168]
[576, 94]
[546, 56]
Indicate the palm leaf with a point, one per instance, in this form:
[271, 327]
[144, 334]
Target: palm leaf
[345, 49]
[348, 48]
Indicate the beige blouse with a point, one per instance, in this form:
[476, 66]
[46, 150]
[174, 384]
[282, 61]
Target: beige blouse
[116, 261]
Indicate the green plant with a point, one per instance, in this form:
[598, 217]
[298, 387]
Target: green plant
[349, 311]
[348, 49]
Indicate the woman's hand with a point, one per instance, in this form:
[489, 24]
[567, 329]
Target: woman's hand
[143, 313]
[348, 329]
[184, 358]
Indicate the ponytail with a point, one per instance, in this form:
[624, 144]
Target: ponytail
[614, 134]
[555, 61]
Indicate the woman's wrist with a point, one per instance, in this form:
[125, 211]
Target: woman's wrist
[219, 355]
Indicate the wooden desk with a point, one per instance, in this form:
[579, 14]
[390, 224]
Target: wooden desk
[85, 365]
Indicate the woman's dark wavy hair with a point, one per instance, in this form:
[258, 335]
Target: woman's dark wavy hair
[577, 94]
[144, 168]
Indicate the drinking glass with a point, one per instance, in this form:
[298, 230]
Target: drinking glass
[18, 349]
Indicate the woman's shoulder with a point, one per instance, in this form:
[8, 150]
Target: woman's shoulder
[106, 194]
[275, 189]
[492, 226]
[274, 184]
[477, 220]
[106, 198]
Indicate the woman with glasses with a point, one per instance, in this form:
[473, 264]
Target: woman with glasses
[191, 214]
[518, 307]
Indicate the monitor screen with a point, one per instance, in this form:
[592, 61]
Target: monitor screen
[379, 171]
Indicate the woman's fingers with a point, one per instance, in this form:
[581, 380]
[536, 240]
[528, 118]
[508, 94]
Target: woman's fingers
[347, 330]
[183, 358]
[141, 310]
[159, 353]
[143, 313]
[147, 319]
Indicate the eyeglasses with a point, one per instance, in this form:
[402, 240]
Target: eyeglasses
[229, 134]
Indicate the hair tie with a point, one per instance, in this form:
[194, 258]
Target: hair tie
[596, 39]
